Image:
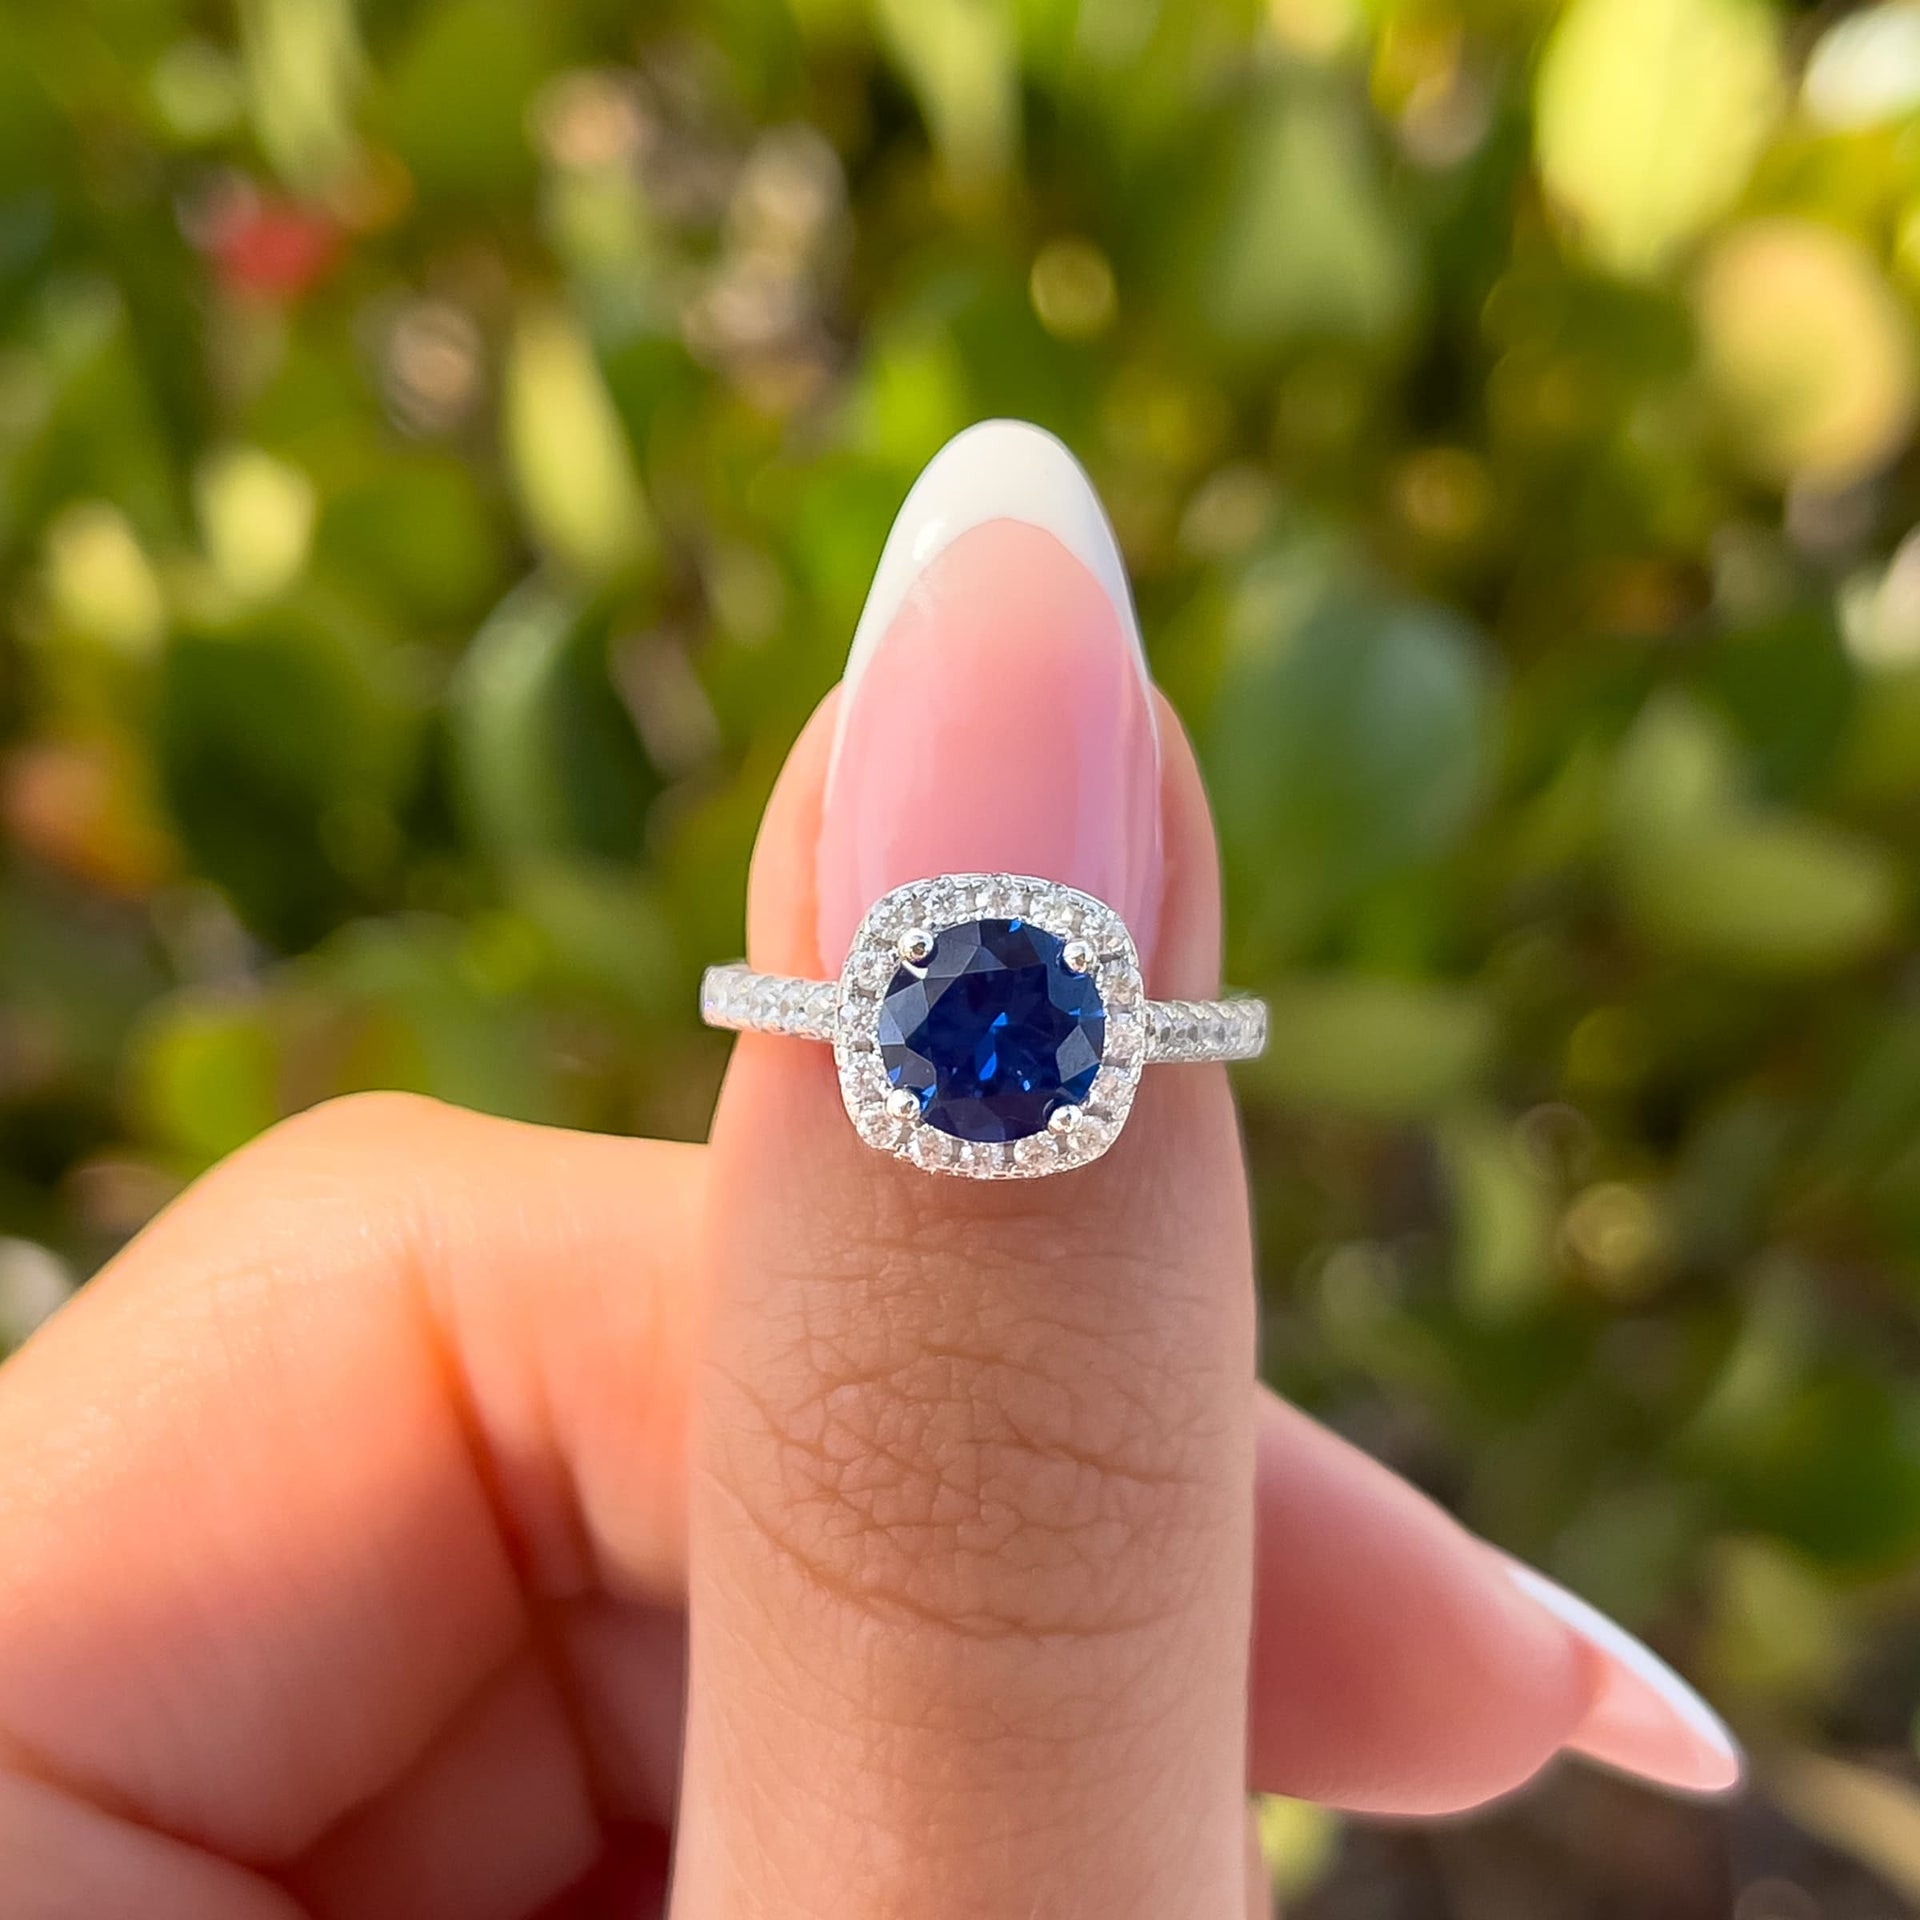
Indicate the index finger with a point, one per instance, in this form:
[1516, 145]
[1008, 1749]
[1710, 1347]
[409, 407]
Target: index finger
[378, 1411]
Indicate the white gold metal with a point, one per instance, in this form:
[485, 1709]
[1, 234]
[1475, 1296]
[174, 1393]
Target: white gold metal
[846, 1013]
[1078, 956]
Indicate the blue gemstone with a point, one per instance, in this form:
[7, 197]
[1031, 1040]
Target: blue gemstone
[994, 1032]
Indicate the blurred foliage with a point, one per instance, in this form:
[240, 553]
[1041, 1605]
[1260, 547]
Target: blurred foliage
[443, 446]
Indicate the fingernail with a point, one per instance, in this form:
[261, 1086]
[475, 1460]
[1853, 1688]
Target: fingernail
[994, 715]
[1644, 1719]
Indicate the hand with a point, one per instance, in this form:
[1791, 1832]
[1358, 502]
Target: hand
[359, 1524]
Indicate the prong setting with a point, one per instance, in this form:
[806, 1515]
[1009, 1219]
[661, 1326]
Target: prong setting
[914, 946]
[1062, 1121]
[903, 1104]
[1079, 955]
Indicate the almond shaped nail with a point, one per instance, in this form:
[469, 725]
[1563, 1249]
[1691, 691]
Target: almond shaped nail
[995, 713]
[1644, 1719]
[993, 470]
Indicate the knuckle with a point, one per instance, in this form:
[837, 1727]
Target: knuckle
[351, 1140]
[354, 1119]
[360, 1159]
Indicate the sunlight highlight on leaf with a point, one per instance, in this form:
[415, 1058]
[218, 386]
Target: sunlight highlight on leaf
[1808, 350]
[1650, 116]
[571, 464]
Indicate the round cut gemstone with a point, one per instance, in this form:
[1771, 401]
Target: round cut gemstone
[994, 1031]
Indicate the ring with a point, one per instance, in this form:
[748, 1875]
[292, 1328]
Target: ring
[988, 1024]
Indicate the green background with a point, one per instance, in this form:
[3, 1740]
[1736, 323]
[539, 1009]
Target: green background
[443, 448]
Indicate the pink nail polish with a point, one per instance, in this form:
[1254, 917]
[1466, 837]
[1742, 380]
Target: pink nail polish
[1644, 1719]
[995, 713]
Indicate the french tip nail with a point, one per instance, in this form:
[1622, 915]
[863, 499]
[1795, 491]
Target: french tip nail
[995, 714]
[1644, 1719]
[994, 470]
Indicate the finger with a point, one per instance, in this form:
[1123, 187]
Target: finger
[1259, 1882]
[290, 1482]
[1403, 1666]
[497, 1811]
[970, 1562]
[492, 1816]
[63, 1855]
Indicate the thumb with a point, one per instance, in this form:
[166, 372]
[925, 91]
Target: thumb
[971, 1526]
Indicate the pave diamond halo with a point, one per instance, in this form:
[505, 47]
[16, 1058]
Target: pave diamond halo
[1030, 1035]
[989, 1025]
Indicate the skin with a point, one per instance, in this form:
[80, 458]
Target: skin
[364, 1524]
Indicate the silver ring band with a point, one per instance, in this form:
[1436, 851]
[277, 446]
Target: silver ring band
[1178, 1032]
[991, 1025]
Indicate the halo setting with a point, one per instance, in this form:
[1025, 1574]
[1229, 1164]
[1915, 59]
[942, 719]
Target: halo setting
[988, 1024]
[992, 1030]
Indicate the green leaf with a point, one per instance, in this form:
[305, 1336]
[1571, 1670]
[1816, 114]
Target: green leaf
[549, 764]
[961, 60]
[1388, 1049]
[429, 1006]
[1883, 763]
[1779, 1629]
[284, 741]
[1350, 742]
[1788, 686]
[1503, 1217]
[205, 1077]
[1301, 243]
[1777, 896]
[1299, 1843]
[1649, 117]
[414, 532]
[256, 520]
[572, 467]
[304, 70]
[1703, 873]
[1838, 1475]
[1808, 351]
[459, 92]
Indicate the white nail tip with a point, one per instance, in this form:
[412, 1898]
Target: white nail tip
[1635, 1656]
[995, 470]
